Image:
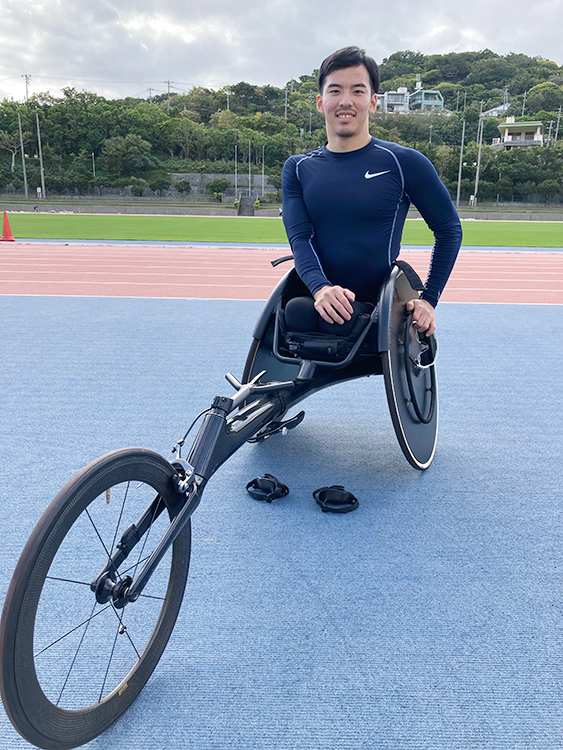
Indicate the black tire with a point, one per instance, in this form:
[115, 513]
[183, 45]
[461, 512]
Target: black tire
[70, 666]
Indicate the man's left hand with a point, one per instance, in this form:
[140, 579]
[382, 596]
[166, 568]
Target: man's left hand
[423, 318]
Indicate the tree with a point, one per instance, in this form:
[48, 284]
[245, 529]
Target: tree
[10, 143]
[183, 187]
[547, 96]
[550, 188]
[127, 156]
[218, 186]
[159, 182]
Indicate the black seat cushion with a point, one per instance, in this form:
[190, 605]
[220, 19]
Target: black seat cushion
[306, 335]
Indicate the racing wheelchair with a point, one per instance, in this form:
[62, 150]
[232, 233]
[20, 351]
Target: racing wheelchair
[99, 585]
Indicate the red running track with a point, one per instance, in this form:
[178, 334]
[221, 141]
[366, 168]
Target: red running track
[246, 273]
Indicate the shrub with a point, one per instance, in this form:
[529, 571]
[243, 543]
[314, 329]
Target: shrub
[183, 186]
[218, 185]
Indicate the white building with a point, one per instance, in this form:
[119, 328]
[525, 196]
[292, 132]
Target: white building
[519, 134]
[396, 101]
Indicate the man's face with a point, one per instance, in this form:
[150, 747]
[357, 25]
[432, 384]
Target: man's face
[346, 101]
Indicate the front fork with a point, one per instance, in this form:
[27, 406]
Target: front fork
[217, 439]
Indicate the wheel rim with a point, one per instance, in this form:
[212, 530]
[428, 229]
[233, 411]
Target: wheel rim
[84, 650]
[78, 665]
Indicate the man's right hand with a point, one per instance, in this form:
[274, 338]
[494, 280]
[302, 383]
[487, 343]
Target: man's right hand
[333, 303]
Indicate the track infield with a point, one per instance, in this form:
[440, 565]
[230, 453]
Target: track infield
[258, 229]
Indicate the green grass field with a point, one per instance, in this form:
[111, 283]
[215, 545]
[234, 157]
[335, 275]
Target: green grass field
[256, 230]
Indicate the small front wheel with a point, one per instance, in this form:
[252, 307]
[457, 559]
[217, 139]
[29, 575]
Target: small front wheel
[71, 666]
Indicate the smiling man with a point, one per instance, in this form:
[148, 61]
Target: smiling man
[345, 204]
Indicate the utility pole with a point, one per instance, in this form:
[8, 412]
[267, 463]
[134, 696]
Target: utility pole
[480, 139]
[262, 171]
[27, 82]
[249, 172]
[549, 134]
[310, 98]
[93, 164]
[40, 157]
[236, 173]
[168, 83]
[285, 112]
[23, 158]
[524, 103]
[557, 126]
[228, 93]
[150, 94]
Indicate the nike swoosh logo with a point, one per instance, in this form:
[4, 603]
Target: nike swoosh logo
[368, 176]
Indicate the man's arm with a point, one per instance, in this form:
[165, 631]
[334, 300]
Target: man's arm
[427, 192]
[331, 302]
[300, 230]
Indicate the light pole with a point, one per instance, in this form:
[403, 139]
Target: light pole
[262, 171]
[480, 139]
[23, 158]
[461, 152]
[40, 157]
[460, 163]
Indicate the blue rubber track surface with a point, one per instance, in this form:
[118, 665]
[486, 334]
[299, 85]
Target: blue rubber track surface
[429, 619]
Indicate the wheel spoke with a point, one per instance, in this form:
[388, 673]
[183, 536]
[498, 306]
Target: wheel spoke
[64, 635]
[126, 632]
[76, 653]
[120, 517]
[66, 580]
[108, 666]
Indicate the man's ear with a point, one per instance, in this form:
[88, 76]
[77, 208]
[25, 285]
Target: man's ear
[320, 104]
[373, 105]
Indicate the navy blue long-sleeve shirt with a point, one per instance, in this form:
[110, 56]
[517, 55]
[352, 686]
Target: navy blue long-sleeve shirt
[344, 215]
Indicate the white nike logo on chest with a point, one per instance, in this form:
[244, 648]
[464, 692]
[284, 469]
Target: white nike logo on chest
[368, 176]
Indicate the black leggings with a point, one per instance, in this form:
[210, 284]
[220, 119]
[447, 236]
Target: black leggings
[301, 316]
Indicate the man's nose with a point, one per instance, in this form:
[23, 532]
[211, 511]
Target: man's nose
[345, 98]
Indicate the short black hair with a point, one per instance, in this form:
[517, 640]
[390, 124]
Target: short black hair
[349, 57]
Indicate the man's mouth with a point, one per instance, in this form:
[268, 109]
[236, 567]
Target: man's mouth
[344, 116]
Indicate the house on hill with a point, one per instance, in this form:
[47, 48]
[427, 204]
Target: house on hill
[395, 101]
[427, 100]
[519, 134]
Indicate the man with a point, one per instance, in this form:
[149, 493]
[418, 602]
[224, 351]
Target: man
[345, 204]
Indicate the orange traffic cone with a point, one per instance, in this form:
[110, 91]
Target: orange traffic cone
[7, 235]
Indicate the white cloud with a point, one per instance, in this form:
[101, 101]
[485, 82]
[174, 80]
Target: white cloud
[122, 48]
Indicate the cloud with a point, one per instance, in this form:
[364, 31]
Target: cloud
[119, 49]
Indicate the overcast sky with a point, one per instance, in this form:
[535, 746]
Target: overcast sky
[124, 48]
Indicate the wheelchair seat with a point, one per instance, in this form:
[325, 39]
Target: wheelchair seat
[306, 335]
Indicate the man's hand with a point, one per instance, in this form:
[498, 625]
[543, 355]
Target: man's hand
[333, 304]
[423, 318]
